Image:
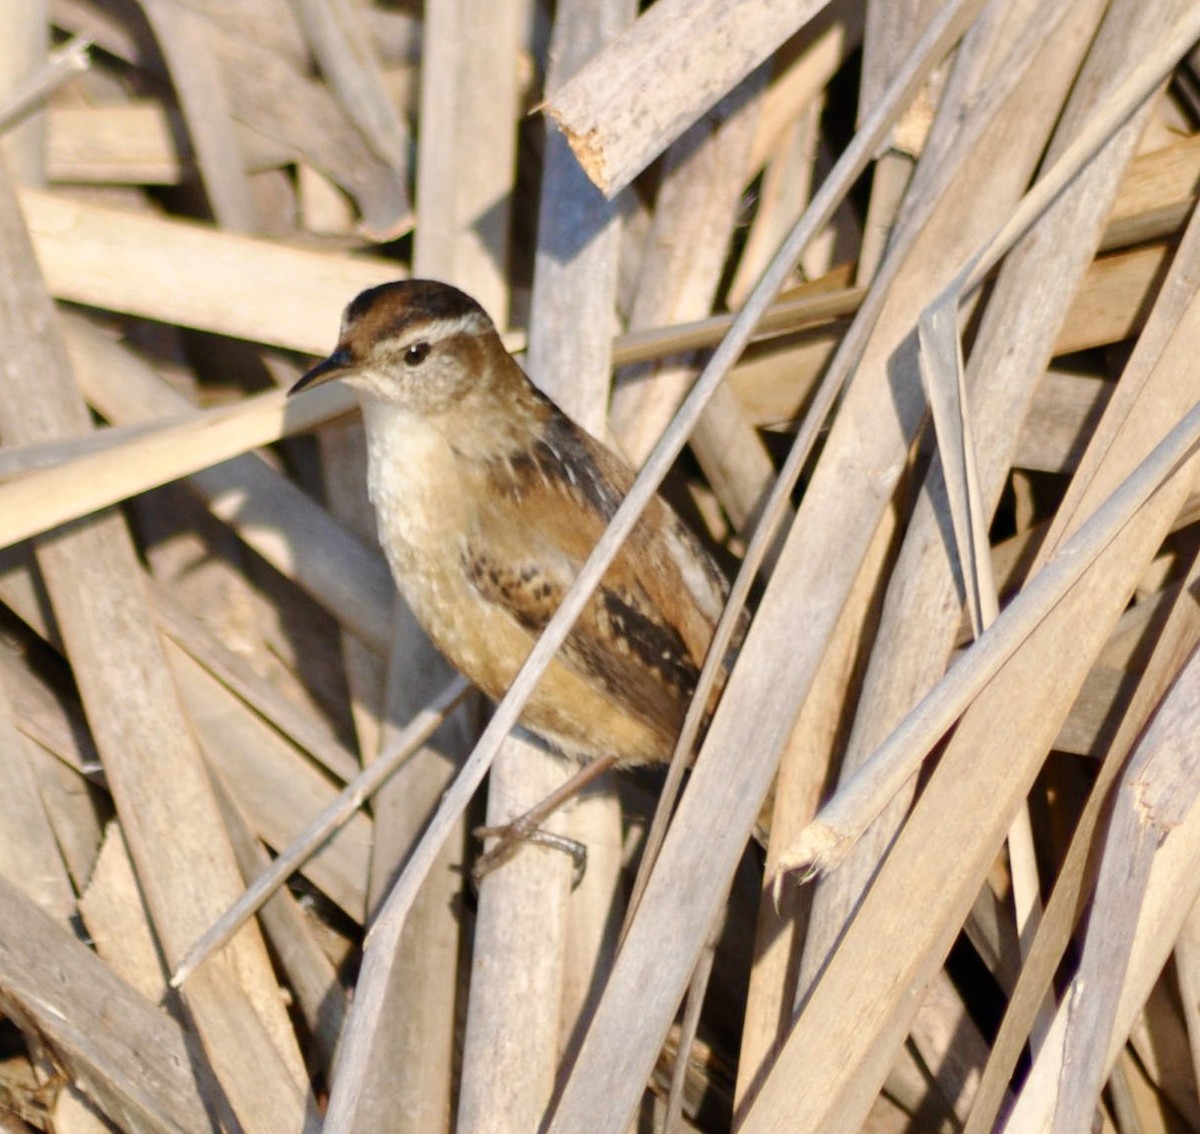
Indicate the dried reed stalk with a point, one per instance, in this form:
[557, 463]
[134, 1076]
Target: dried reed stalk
[150, 755]
[197, 690]
[618, 113]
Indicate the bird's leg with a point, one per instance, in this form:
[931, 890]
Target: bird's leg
[527, 828]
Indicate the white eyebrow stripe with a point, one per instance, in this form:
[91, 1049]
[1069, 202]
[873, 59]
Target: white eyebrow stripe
[472, 322]
[438, 330]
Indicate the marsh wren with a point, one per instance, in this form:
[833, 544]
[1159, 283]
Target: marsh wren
[488, 500]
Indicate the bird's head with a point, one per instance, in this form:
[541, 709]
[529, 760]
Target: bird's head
[419, 345]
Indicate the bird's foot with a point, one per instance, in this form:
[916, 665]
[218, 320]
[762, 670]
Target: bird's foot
[509, 838]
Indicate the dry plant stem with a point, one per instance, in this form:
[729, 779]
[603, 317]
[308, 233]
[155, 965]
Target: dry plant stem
[1156, 195]
[875, 459]
[125, 468]
[106, 257]
[343, 459]
[815, 55]
[1186, 964]
[262, 419]
[1144, 890]
[971, 172]
[569, 356]
[22, 56]
[197, 83]
[860, 1058]
[56, 732]
[76, 824]
[1071, 889]
[787, 144]
[325, 824]
[1157, 1059]
[511, 1046]
[250, 288]
[1062, 412]
[1116, 109]
[132, 1058]
[106, 476]
[261, 79]
[1128, 29]
[777, 507]
[468, 103]
[513, 1039]
[1117, 277]
[311, 976]
[29, 857]
[696, 206]
[937, 862]
[256, 691]
[696, 211]
[809, 755]
[178, 449]
[153, 764]
[274, 785]
[63, 65]
[1126, 1113]
[945, 389]
[1121, 424]
[410, 1083]
[412, 1088]
[118, 145]
[334, 31]
[688, 1026]
[1017, 286]
[283, 114]
[117, 921]
[17, 460]
[676, 62]
[784, 189]
[949, 1048]
[826, 840]
[887, 36]
[799, 308]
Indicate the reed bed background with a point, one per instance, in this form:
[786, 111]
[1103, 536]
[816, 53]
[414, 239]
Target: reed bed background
[929, 269]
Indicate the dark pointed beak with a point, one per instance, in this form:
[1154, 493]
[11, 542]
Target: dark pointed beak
[333, 367]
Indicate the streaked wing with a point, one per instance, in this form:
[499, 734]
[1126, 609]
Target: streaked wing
[638, 661]
[644, 633]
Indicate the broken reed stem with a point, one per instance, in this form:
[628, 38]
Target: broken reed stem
[73, 58]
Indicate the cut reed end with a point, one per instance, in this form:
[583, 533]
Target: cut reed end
[818, 850]
[588, 148]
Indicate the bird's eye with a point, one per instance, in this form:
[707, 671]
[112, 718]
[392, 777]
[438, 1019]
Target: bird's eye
[416, 354]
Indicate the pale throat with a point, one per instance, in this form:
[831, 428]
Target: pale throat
[413, 480]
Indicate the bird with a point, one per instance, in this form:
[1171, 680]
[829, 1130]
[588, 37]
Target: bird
[488, 500]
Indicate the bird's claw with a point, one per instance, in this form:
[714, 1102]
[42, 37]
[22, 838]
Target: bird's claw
[509, 838]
